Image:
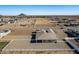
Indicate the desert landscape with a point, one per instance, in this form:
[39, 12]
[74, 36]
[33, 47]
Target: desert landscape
[25, 34]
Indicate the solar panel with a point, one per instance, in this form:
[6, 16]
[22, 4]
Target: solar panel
[39, 41]
[33, 41]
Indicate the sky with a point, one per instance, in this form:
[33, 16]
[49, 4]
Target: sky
[39, 9]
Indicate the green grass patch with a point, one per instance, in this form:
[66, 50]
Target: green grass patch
[3, 44]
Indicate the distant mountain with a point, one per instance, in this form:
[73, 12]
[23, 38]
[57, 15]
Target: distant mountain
[22, 15]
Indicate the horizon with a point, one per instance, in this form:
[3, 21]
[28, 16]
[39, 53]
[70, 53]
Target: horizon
[39, 9]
